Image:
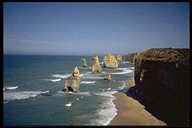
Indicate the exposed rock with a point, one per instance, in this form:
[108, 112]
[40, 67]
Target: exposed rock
[118, 57]
[84, 62]
[96, 68]
[162, 81]
[110, 61]
[129, 57]
[107, 76]
[73, 81]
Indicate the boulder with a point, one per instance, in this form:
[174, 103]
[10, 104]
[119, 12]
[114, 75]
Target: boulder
[96, 68]
[84, 62]
[162, 82]
[110, 61]
[107, 76]
[73, 81]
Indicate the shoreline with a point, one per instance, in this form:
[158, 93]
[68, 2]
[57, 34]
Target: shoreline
[130, 112]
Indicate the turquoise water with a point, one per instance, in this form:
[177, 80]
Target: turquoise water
[32, 93]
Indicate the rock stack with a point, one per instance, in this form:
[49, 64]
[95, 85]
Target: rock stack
[118, 57]
[84, 62]
[73, 81]
[107, 76]
[110, 61]
[96, 68]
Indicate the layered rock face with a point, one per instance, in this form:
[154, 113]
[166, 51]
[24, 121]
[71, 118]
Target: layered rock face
[118, 57]
[84, 62]
[162, 82]
[96, 68]
[73, 81]
[107, 76]
[110, 61]
[129, 57]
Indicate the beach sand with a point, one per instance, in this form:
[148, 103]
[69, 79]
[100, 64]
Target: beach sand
[131, 112]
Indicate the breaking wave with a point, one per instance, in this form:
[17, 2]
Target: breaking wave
[88, 82]
[124, 71]
[10, 96]
[10, 87]
[108, 110]
[53, 80]
[61, 76]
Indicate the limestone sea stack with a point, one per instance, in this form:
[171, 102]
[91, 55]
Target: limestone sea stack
[162, 81]
[110, 61]
[73, 81]
[96, 68]
[107, 76]
[118, 57]
[84, 62]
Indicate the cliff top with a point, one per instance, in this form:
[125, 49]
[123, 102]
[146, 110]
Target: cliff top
[166, 55]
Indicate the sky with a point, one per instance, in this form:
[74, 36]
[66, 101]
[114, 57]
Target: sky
[88, 28]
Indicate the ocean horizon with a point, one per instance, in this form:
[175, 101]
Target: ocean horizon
[32, 90]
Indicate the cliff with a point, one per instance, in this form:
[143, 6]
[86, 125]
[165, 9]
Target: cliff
[129, 57]
[162, 82]
[96, 68]
[73, 81]
[110, 61]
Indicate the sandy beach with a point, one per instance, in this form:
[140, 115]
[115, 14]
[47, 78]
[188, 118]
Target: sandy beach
[131, 112]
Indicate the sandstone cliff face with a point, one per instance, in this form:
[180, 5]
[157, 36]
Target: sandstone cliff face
[162, 81]
[96, 68]
[118, 57]
[107, 76]
[110, 61]
[73, 81]
[84, 62]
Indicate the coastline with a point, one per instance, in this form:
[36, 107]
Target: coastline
[131, 112]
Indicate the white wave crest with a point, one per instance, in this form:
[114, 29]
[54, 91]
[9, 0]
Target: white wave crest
[10, 87]
[61, 76]
[88, 82]
[68, 105]
[108, 111]
[10, 96]
[84, 67]
[124, 71]
[78, 93]
[107, 93]
[89, 77]
[53, 80]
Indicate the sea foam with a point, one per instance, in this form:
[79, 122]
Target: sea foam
[10, 96]
[78, 93]
[53, 80]
[88, 82]
[61, 76]
[124, 71]
[108, 110]
[10, 87]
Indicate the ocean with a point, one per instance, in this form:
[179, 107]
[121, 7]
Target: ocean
[32, 91]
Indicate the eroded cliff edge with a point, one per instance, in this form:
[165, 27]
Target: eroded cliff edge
[162, 82]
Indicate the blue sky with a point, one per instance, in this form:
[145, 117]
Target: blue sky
[93, 28]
